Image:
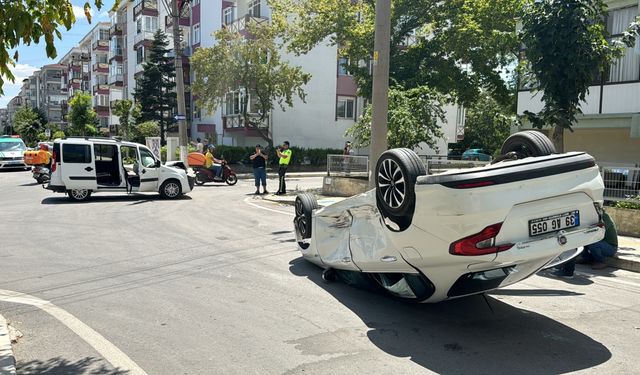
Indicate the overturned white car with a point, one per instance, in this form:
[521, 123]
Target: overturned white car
[428, 238]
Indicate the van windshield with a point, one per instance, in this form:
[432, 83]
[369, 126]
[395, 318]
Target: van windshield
[12, 146]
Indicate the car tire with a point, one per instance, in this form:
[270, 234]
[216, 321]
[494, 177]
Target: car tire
[79, 195]
[170, 189]
[200, 178]
[396, 173]
[304, 206]
[527, 144]
[231, 180]
[329, 275]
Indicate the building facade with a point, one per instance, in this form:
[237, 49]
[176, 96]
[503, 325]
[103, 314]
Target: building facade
[609, 127]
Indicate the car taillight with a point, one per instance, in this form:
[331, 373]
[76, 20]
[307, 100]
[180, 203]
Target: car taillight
[53, 161]
[480, 243]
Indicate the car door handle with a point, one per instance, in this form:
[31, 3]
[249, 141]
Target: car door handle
[88, 169]
[388, 258]
[144, 171]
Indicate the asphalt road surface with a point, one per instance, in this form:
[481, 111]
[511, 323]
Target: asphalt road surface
[212, 283]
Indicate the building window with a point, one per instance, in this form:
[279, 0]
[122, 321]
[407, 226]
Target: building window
[254, 8]
[146, 24]
[104, 34]
[345, 108]
[140, 55]
[196, 34]
[195, 2]
[102, 100]
[626, 68]
[228, 16]
[343, 62]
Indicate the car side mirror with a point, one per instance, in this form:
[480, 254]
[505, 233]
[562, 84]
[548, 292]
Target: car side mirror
[158, 163]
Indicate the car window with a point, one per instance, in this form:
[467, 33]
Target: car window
[80, 154]
[147, 159]
[12, 146]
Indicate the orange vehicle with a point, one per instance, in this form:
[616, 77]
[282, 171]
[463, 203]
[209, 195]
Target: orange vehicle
[196, 159]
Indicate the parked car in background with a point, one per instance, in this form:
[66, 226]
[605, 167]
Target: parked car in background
[12, 149]
[476, 154]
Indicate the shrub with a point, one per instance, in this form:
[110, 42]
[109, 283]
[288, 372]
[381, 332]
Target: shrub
[630, 203]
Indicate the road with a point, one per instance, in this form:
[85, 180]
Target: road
[213, 283]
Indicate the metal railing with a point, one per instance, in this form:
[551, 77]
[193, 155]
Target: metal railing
[241, 23]
[438, 164]
[620, 182]
[347, 165]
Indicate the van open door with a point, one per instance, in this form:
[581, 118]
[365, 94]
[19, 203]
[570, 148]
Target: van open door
[77, 166]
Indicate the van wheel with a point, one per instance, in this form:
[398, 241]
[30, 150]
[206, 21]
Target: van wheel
[528, 143]
[79, 195]
[170, 189]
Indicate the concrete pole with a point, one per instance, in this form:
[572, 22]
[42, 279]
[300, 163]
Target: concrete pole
[177, 48]
[380, 95]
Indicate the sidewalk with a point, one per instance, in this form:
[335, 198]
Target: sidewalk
[7, 361]
[627, 257]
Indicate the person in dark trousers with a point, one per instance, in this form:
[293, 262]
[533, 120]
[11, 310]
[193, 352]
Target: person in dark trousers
[596, 252]
[284, 153]
[260, 169]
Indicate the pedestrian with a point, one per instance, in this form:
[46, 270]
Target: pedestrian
[284, 154]
[348, 149]
[596, 252]
[199, 146]
[347, 152]
[260, 169]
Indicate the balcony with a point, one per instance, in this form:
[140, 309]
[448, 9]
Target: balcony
[144, 36]
[116, 79]
[116, 30]
[101, 45]
[146, 7]
[101, 67]
[139, 68]
[115, 54]
[101, 88]
[54, 78]
[236, 122]
[240, 25]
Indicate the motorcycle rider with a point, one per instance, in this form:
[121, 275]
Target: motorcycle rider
[212, 163]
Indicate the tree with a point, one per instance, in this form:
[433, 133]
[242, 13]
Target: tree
[145, 129]
[27, 123]
[487, 125]
[127, 114]
[566, 47]
[250, 66]
[155, 90]
[27, 21]
[413, 119]
[82, 118]
[457, 47]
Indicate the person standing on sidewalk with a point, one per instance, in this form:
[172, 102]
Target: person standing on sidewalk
[284, 153]
[596, 252]
[260, 169]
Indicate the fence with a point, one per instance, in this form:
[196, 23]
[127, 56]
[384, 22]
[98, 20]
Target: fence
[347, 165]
[620, 182]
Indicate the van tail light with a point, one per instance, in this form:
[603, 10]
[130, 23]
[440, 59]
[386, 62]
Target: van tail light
[53, 161]
[480, 243]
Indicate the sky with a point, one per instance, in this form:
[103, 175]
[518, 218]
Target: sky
[32, 57]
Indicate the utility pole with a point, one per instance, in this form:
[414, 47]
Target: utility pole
[177, 48]
[380, 94]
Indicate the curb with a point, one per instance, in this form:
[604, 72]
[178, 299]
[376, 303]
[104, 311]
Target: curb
[623, 264]
[7, 360]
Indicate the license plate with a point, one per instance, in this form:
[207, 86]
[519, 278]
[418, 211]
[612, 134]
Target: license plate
[554, 223]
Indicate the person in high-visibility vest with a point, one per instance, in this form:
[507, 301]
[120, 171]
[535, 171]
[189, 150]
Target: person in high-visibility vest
[284, 153]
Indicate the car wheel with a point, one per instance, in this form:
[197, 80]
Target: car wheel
[304, 206]
[329, 275]
[170, 189]
[396, 174]
[528, 143]
[231, 180]
[79, 195]
[200, 178]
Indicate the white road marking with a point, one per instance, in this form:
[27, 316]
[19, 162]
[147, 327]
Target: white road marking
[103, 346]
[246, 200]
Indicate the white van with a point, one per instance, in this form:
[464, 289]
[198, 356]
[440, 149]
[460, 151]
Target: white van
[82, 165]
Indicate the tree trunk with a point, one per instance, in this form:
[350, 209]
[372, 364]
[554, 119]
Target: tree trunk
[558, 138]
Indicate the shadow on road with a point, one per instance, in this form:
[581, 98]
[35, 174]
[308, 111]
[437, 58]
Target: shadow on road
[61, 366]
[134, 198]
[465, 336]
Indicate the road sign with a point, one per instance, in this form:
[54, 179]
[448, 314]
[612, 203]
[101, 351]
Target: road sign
[180, 117]
[47, 133]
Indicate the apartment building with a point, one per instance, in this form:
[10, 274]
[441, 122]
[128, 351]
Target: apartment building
[4, 120]
[609, 127]
[12, 107]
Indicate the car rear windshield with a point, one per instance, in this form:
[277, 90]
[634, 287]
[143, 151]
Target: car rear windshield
[12, 146]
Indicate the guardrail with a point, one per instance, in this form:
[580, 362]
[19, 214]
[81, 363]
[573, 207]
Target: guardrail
[620, 182]
[347, 165]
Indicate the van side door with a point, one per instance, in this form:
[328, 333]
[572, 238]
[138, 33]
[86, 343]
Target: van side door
[78, 167]
[149, 170]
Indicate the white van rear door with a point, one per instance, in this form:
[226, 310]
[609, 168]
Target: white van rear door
[78, 167]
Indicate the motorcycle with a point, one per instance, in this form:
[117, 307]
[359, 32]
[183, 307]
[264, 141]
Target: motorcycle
[41, 173]
[204, 175]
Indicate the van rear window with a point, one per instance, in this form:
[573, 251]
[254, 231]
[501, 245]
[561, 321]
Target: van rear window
[76, 153]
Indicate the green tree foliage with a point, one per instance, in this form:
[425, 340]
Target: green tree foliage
[27, 122]
[458, 47]
[413, 119]
[566, 47]
[487, 125]
[145, 129]
[128, 115]
[58, 134]
[253, 64]
[29, 21]
[155, 90]
[82, 118]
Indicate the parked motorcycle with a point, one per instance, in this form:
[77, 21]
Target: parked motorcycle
[204, 175]
[41, 173]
